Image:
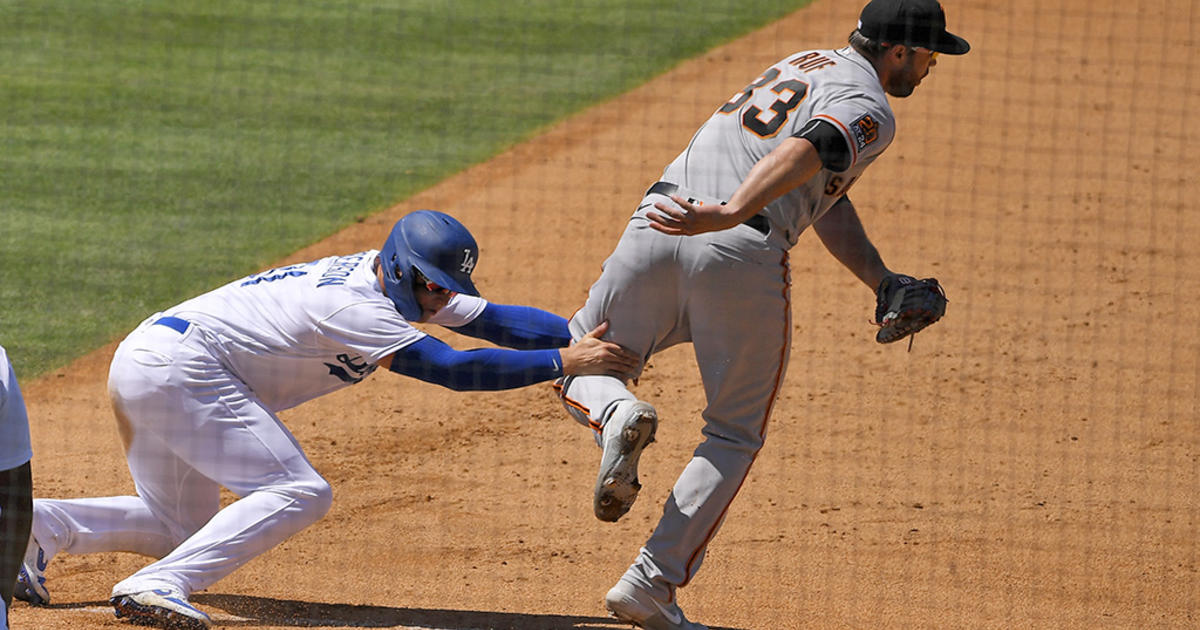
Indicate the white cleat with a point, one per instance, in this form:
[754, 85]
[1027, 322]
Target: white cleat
[628, 430]
[31, 578]
[163, 608]
[635, 605]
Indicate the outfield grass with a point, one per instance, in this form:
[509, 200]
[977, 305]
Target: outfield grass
[154, 150]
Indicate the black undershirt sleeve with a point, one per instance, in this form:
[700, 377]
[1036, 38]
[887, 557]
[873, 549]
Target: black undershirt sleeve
[830, 143]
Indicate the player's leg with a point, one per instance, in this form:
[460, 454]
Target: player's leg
[173, 499]
[16, 483]
[121, 523]
[98, 525]
[636, 295]
[740, 317]
[16, 506]
[623, 430]
[279, 497]
[83, 526]
[148, 384]
[212, 432]
[224, 438]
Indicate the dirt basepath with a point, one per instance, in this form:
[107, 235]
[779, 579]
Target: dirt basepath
[1032, 463]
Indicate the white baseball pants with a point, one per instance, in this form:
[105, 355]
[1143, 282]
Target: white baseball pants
[189, 428]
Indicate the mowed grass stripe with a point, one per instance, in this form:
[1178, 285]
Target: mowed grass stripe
[154, 150]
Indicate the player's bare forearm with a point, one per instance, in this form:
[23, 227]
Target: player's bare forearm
[842, 233]
[791, 164]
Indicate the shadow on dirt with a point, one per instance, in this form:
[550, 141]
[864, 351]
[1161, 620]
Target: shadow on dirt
[246, 611]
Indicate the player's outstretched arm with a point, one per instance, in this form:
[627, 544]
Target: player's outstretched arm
[842, 233]
[432, 360]
[519, 327]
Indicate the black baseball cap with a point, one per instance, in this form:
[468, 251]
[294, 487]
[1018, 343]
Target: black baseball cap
[913, 23]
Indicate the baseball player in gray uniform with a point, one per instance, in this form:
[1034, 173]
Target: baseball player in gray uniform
[196, 390]
[704, 259]
[16, 483]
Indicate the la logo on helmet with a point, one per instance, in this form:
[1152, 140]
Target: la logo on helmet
[468, 263]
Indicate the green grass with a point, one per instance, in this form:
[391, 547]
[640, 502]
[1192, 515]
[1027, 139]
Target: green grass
[150, 151]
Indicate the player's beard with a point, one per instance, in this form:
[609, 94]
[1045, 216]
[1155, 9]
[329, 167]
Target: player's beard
[906, 79]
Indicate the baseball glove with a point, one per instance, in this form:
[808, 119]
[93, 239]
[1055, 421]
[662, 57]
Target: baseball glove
[904, 306]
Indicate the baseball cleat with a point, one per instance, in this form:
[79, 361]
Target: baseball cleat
[628, 430]
[31, 579]
[637, 606]
[165, 608]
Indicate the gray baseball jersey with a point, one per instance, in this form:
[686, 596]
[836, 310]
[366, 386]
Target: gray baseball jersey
[836, 86]
[726, 292]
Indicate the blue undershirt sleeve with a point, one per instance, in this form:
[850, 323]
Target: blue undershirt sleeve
[519, 327]
[433, 361]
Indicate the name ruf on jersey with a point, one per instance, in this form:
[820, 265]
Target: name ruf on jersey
[811, 61]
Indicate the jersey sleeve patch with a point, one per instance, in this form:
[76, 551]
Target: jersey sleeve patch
[865, 131]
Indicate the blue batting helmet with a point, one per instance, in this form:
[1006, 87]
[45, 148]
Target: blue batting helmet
[433, 243]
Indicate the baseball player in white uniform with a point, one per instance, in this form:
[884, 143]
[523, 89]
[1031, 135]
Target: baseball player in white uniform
[16, 493]
[705, 259]
[196, 389]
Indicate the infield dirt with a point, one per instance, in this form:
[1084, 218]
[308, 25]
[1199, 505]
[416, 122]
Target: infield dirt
[1031, 463]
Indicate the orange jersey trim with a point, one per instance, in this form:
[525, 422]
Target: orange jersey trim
[574, 404]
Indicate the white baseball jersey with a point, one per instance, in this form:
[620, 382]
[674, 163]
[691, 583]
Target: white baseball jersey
[14, 422]
[196, 390]
[837, 86]
[298, 332]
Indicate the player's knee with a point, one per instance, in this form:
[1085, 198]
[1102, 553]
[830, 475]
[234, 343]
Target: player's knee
[735, 439]
[315, 498]
[306, 501]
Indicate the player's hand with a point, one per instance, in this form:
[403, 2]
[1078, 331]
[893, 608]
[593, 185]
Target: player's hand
[593, 355]
[684, 218]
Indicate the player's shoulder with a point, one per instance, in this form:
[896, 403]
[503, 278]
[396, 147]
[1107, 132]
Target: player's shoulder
[825, 64]
[346, 277]
[837, 74]
[811, 60]
[843, 68]
[844, 89]
[358, 307]
[334, 284]
[345, 270]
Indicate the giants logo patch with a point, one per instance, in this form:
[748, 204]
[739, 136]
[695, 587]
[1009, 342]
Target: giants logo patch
[865, 131]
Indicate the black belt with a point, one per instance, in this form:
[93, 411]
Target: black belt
[758, 221]
[175, 323]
